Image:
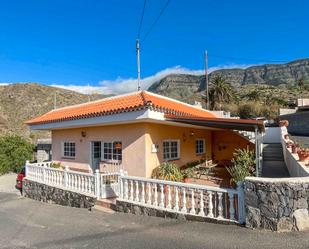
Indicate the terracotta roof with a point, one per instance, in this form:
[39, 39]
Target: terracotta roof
[122, 103]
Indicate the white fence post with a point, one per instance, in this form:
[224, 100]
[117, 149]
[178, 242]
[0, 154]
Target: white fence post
[97, 183]
[241, 203]
[44, 173]
[65, 173]
[26, 168]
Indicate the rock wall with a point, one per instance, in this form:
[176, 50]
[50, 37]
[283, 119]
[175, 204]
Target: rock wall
[127, 207]
[45, 193]
[277, 204]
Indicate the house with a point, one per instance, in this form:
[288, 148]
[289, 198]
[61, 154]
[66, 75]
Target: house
[141, 130]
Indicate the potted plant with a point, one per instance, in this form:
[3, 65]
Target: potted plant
[283, 123]
[167, 171]
[188, 173]
[286, 136]
[295, 148]
[303, 154]
[289, 144]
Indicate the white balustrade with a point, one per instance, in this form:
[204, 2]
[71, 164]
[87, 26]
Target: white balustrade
[198, 200]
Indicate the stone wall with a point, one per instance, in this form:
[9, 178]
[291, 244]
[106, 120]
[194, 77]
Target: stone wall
[277, 204]
[45, 193]
[127, 207]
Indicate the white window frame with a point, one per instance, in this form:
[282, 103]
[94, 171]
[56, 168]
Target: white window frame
[178, 149]
[112, 151]
[62, 149]
[197, 152]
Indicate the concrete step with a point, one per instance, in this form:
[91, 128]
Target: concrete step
[104, 209]
[109, 203]
[276, 169]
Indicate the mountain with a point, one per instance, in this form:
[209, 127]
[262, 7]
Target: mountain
[187, 87]
[20, 102]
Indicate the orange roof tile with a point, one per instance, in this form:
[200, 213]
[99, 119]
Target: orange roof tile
[117, 104]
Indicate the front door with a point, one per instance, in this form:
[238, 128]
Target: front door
[95, 155]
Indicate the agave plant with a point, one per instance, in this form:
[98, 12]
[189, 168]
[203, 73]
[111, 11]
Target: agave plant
[167, 171]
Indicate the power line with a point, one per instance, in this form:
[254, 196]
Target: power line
[156, 20]
[247, 59]
[141, 20]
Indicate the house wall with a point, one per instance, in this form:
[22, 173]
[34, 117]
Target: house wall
[224, 144]
[131, 135]
[156, 133]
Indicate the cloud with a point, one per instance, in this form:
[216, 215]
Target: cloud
[121, 85]
[4, 84]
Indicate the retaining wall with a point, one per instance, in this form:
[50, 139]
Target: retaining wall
[277, 204]
[46, 193]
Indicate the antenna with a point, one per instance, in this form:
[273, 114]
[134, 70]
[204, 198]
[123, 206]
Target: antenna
[206, 80]
[138, 65]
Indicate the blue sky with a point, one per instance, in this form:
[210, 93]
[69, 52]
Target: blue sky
[75, 43]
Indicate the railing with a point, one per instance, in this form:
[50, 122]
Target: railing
[111, 167]
[71, 180]
[191, 199]
[205, 201]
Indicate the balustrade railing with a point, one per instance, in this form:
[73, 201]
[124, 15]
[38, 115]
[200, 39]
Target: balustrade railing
[71, 180]
[199, 200]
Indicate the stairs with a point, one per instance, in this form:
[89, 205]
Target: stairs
[106, 205]
[273, 161]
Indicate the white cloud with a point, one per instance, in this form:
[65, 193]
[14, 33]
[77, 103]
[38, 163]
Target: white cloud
[121, 85]
[4, 84]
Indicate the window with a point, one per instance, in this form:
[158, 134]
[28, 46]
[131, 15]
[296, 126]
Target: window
[112, 151]
[200, 146]
[96, 149]
[171, 149]
[69, 149]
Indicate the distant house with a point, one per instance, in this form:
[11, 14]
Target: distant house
[141, 130]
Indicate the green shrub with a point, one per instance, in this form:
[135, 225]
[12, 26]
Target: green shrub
[243, 165]
[167, 171]
[14, 151]
[56, 165]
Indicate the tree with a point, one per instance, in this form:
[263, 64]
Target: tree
[255, 95]
[14, 151]
[220, 92]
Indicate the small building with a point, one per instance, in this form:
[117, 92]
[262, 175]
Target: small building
[141, 130]
[43, 150]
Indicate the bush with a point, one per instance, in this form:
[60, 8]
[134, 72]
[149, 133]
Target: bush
[14, 151]
[167, 171]
[243, 165]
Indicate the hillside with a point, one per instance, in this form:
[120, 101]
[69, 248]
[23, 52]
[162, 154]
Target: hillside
[20, 102]
[283, 76]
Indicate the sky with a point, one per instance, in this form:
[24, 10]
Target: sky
[73, 43]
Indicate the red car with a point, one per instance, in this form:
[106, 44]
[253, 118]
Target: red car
[19, 179]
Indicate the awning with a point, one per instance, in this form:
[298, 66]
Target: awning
[221, 123]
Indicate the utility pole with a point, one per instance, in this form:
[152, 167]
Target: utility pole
[55, 100]
[206, 80]
[138, 65]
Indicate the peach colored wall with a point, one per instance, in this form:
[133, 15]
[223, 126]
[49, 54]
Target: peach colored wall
[156, 133]
[131, 135]
[225, 143]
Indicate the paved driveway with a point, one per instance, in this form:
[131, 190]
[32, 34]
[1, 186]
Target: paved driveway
[25, 223]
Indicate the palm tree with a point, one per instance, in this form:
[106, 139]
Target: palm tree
[220, 92]
[255, 95]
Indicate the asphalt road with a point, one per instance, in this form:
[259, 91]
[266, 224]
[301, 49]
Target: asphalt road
[26, 223]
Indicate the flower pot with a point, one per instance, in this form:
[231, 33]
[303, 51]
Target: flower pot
[303, 156]
[294, 149]
[286, 136]
[186, 180]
